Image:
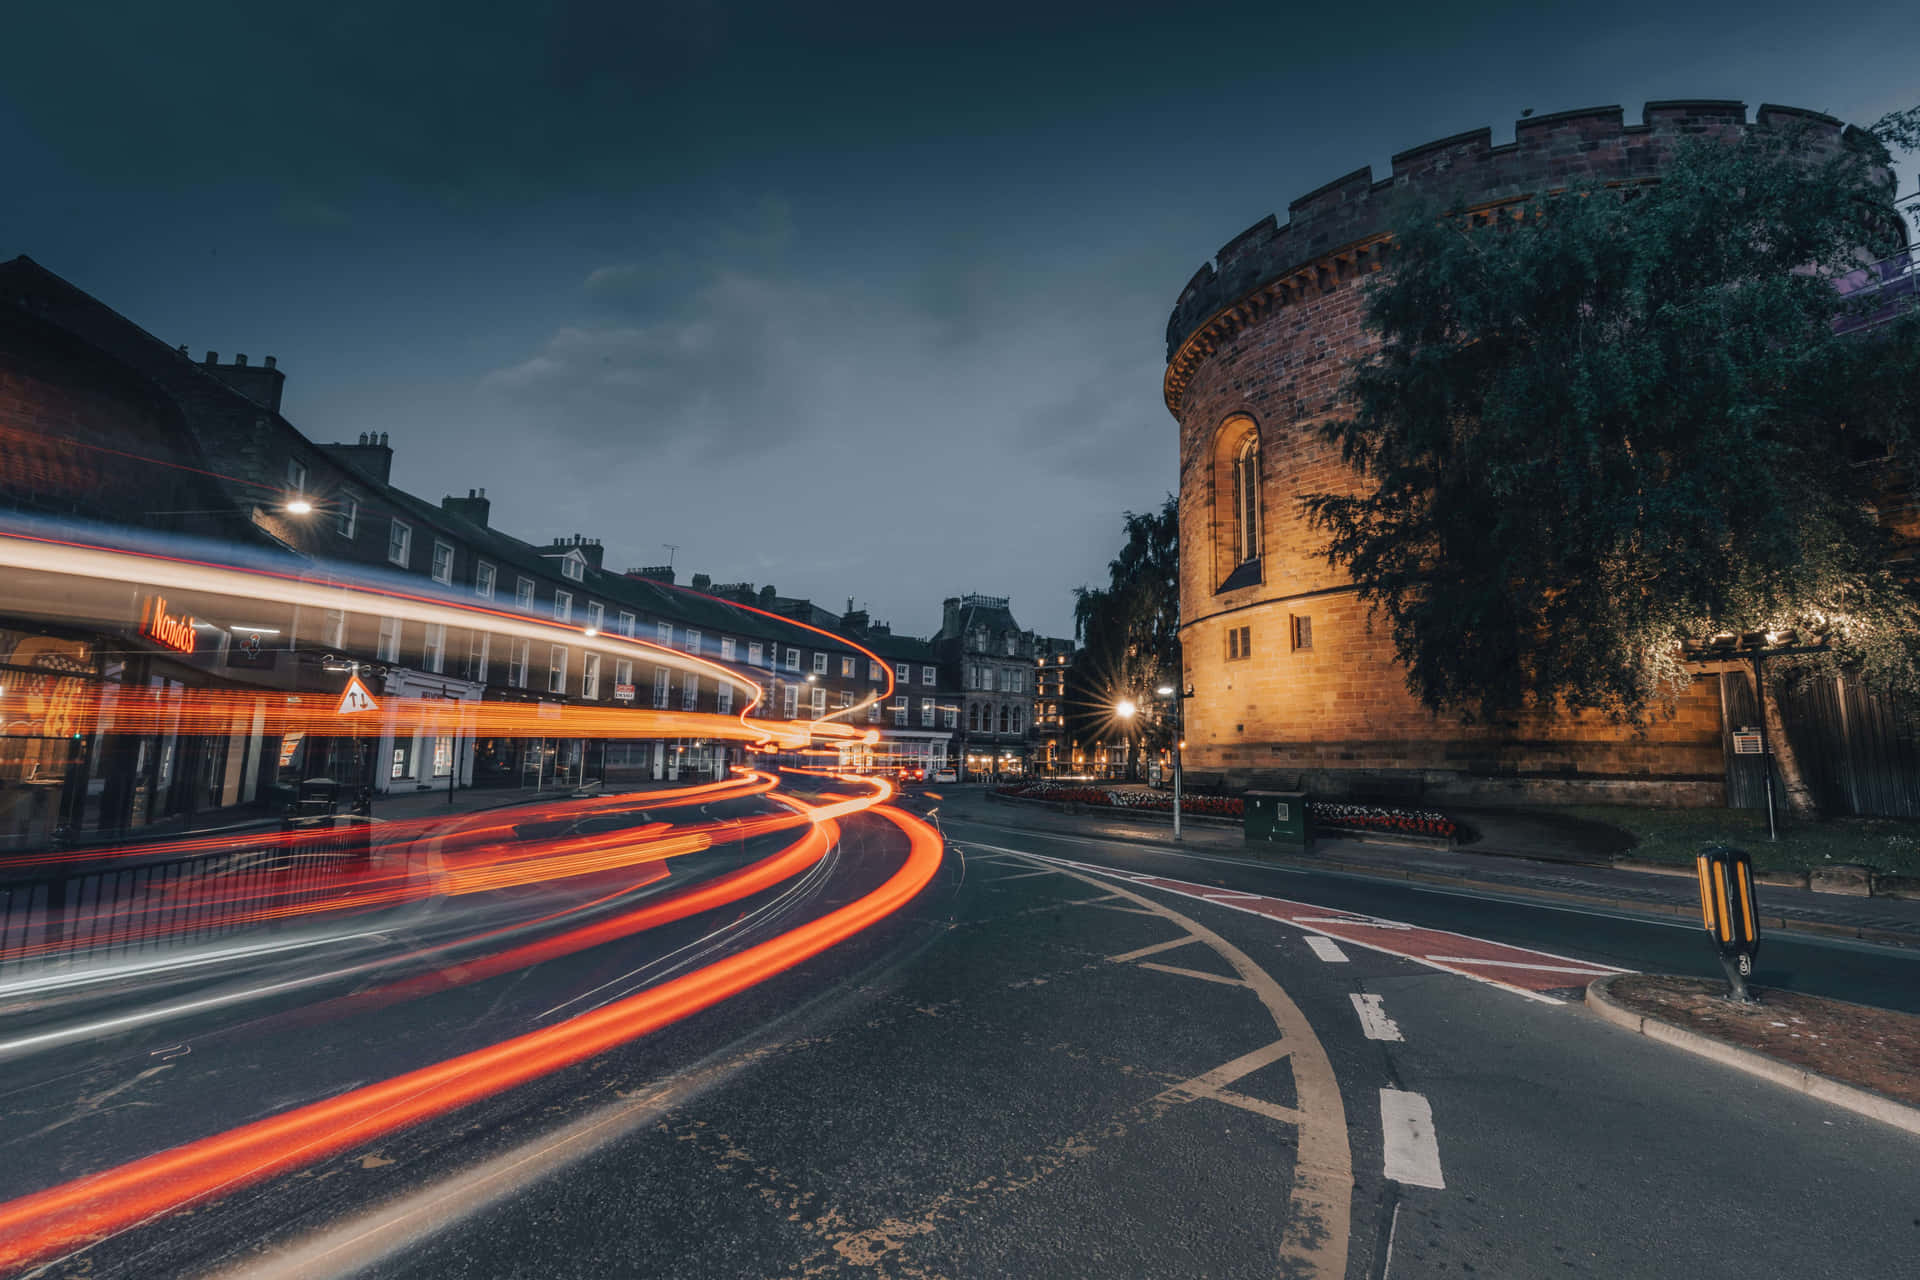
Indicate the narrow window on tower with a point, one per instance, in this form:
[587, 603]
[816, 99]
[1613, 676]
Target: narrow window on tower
[1239, 643]
[1302, 631]
[1246, 499]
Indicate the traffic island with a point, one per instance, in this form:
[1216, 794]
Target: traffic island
[1866, 1060]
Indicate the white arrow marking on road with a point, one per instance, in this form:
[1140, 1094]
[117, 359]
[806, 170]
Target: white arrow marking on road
[1374, 1020]
[1326, 949]
[1412, 1149]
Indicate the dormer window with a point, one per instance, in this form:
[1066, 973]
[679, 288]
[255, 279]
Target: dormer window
[573, 565]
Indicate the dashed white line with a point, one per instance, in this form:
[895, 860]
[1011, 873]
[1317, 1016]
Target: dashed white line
[1326, 949]
[1374, 1020]
[1412, 1149]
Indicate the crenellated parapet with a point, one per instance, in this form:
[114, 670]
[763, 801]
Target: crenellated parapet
[1338, 232]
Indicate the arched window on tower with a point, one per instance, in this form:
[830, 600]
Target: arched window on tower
[1235, 518]
[1246, 500]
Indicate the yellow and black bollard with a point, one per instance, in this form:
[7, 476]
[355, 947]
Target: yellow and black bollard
[1727, 908]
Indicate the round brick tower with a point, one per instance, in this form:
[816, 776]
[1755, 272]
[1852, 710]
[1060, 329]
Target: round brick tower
[1290, 687]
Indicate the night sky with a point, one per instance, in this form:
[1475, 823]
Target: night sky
[860, 301]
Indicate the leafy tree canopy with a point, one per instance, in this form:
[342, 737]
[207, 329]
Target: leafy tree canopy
[1130, 628]
[1606, 422]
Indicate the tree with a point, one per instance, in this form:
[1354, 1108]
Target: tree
[1603, 424]
[1130, 629]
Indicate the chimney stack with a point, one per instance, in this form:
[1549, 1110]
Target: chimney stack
[473, 507]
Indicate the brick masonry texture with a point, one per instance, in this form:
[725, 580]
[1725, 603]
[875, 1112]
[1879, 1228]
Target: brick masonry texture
[1260, 341]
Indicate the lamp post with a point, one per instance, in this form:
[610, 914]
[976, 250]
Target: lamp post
[1179, 732]
[1126, 709]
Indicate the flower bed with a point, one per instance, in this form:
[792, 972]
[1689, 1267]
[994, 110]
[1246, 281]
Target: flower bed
[1325, 815]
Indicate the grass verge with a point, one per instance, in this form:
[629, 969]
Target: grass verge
[1675, 836]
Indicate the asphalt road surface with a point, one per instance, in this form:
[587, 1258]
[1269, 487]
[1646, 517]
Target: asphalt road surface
[1065, 1057]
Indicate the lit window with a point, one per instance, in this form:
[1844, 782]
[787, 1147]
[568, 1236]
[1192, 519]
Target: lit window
[846, 666]
[563, 606]
[442, 562]
[400, 543]
[523, 594]
[557, 669]
[483, 580]
[876, 672]
[590, 676]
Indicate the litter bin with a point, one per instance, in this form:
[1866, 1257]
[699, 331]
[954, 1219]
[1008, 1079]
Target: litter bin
[1277, 817]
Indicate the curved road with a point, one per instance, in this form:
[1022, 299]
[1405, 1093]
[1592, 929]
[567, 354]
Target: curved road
[1064, 1057]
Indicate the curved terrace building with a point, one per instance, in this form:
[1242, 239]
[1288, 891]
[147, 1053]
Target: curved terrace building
[1289, 685]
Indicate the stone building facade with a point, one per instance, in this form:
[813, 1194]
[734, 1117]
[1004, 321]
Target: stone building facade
[1289, 683]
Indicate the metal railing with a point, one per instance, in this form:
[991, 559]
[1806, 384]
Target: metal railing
[66, 916]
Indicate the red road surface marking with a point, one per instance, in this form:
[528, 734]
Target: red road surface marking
[1518, 969]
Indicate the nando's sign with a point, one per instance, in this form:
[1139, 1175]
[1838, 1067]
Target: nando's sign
[174, 630]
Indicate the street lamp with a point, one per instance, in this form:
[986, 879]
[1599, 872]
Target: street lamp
[1179, 736]
[299, 507]
[1126, 709]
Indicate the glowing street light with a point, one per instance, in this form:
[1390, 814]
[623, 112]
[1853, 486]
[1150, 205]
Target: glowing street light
[1125, 708]
[299, 507]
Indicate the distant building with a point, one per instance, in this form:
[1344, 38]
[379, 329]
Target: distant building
[1052, 741]
[994, 660]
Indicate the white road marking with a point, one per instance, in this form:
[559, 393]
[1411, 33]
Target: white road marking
[1374, 1020]
[1393, 1230]
[1366, 922]
[1522, 964]
[1326, 948]
[1412, 1149]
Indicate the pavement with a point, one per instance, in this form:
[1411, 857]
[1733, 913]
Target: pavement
[1517, 853]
